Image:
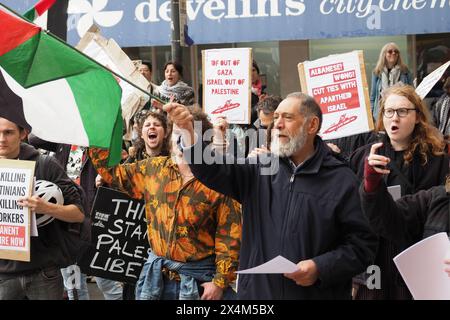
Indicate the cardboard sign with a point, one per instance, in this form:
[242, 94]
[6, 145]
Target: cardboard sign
[109, 54]
[119, 237]
[339, 85]
[227, 84]
[16, 179]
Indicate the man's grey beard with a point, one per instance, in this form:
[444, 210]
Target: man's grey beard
[288, 149]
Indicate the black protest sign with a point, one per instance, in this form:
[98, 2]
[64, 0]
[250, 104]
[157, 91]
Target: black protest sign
[119, 245]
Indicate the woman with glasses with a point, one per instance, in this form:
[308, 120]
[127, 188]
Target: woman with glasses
[411, 154]
[409, 219]
[388, 71]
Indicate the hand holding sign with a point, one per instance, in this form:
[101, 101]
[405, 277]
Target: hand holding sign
[36, 204]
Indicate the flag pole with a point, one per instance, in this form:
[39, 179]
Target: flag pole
[109, 70]
[93, 60]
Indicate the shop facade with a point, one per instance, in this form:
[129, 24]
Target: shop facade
[282, 33]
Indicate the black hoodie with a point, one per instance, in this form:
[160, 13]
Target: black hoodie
[311, 212]
[55, 245]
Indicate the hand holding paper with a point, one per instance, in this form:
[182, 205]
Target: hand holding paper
[306, 275]
[279, 264]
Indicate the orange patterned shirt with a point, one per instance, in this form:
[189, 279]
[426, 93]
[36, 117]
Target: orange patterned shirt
[185, 222]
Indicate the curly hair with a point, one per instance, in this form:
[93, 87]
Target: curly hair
[140, 118]
[199, 115]
[268, 104]
[425, 138]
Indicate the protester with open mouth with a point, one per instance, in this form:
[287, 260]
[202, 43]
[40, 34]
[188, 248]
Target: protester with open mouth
[173, 86]
[153, 139]
[193, 231]
[411, 155]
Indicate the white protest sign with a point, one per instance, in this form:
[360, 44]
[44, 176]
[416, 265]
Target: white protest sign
[16, 179]
[430, 80]
[422, 267]
[94, 50]
[108, 53]
[339, 85]
[227, 84]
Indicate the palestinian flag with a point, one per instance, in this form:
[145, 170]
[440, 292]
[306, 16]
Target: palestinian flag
[39, 9]
[51, 88]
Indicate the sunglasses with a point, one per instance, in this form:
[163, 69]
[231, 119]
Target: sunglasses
[393, 51]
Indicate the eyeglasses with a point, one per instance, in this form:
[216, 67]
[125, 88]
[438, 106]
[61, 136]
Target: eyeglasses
[401, 112]
[393, 51]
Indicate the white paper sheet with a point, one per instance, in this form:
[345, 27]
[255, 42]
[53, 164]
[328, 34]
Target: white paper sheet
[430, 80]
[278, 264]
[395, 191]
[33, 223]
[422, 267]
[33, 231]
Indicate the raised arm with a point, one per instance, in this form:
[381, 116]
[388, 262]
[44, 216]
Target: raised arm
[398, 221]
[217, 171]
[128, 178]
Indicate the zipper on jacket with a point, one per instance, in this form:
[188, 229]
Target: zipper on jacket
[285, 223]
[291, 181]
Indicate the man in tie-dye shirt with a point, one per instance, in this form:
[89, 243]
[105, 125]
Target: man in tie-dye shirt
[194, 232]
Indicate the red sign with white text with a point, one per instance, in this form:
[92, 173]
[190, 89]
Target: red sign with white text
[12, 236]
[337, 97]
[338, 84]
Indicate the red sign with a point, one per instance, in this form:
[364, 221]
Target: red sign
[12, 236]
[337, 97]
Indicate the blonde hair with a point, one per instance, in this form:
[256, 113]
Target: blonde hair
[381, 63]
[425, 138]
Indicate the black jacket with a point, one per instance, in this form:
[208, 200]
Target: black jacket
[420, 176]
[350, 144]
[409, 219]
[88, 172]
[310, 213]
[55, 245]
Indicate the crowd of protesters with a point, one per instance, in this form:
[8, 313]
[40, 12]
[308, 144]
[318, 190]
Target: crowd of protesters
[324, 206]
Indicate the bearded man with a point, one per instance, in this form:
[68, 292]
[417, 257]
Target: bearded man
[307, 210]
